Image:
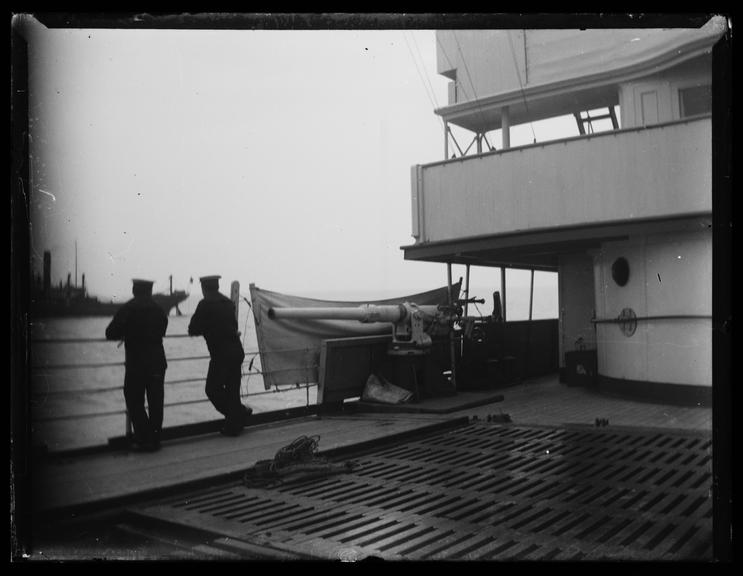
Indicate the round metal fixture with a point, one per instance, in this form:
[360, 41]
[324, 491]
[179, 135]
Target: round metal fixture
[627, 322]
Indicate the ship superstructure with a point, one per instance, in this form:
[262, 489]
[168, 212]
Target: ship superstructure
[621, 208]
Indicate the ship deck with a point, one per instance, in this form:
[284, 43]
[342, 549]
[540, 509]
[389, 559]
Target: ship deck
[137, 494]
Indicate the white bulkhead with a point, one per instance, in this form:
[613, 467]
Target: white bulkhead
[669, 290]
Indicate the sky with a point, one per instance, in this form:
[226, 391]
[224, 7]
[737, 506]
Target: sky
[280, 158]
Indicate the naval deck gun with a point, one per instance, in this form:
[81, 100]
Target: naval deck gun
[421, 335]
[412, 325]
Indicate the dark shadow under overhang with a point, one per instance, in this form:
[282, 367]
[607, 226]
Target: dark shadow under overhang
[540, 249]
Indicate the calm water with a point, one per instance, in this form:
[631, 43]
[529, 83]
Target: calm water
[82, 405]
[72, 406]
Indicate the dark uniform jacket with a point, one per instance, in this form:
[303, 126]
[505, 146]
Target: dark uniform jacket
[214, 319]
[141, 323]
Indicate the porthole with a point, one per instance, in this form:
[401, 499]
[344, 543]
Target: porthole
[620, 271]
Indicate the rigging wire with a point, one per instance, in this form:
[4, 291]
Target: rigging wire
[521, 85]
[474, 98]
[420, 57]
[431, 95]
[446, 56]
[469, 77]
[249, 372]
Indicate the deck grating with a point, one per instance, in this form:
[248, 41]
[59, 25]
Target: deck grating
[487, 492]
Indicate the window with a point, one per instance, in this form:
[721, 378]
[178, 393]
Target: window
[695, 100]
[620, 271]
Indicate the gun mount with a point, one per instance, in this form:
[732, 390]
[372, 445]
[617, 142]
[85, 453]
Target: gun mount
[412, 325]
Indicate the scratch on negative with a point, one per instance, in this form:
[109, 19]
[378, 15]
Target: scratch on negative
[48, 194]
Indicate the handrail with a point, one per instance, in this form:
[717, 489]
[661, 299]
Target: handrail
[102, 340]
[181, 403]
[116, 388]
[251, 353]
[106, 364]
[620, 320]
[250, 356]
[167, 383]
[90, 340]
[110, 364]
[568, 139]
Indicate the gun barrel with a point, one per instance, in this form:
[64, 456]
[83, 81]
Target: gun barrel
[393, 313]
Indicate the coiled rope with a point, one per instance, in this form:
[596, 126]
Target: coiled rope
[303, 449]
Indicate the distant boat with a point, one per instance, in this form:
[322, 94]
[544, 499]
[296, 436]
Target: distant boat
[170, 300]
[68, 300]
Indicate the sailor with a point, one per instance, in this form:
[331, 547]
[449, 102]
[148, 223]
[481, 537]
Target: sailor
[215, 320]
[141, 323]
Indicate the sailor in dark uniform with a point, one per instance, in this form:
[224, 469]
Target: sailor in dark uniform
[215, 320]
[141, 323]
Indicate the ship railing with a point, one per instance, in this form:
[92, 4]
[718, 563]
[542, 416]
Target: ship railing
[250, 356]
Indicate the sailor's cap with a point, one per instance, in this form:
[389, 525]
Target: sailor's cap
[141, 287]
[210, 281]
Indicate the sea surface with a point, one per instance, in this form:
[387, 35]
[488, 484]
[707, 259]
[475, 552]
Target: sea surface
[77, 396]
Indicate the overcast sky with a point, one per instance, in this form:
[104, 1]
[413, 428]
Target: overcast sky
[280, 158]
